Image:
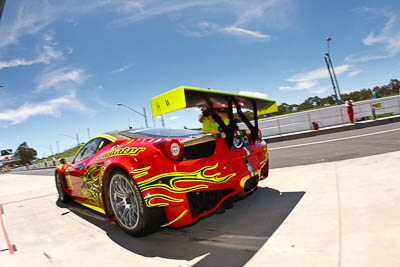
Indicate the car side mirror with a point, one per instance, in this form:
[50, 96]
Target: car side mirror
[62, 161]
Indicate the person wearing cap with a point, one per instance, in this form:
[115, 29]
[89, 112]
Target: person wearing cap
[209, 125]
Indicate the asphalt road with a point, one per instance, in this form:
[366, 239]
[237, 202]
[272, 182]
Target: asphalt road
[336, 146]
[332, 214]
[324, 148]
[311, 215]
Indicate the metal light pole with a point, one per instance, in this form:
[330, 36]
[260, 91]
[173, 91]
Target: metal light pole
[330, 66]
[162, 121]
[75, 138]
[2, 3]
[50, 148]
[144, 112]
[330, 75]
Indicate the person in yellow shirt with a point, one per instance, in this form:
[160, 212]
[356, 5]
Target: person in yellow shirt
[209, 125]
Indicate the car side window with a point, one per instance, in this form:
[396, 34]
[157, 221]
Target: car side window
[91, 148]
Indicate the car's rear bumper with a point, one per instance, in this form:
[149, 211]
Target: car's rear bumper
[188, 190]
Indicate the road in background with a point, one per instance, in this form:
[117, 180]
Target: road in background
[336, 146]
[323, 148]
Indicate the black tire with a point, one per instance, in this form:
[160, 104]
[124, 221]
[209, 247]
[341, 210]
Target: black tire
[62, 195]
[129, 208]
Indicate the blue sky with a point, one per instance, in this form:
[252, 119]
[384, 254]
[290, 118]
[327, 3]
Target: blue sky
[65, 64]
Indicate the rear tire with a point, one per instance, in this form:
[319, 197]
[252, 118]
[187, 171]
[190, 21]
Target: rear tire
[129, 208]
[62, 195]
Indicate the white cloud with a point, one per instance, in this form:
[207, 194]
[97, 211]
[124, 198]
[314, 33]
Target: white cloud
[51, 107]
[317, 74]
[320, 90]
[299, 86]
[354, 73]
[204, 28]
[252, 93]
[389, 36]
[263, 13]
[103, 103]
[308, 80]
[245, 12]
[136, 10]
[30, 19]
[240, 31]
[49, 54]
[123, 68]
[174, 117]
[364, 58]
[65, 77]
[18, 62]
[387, 39]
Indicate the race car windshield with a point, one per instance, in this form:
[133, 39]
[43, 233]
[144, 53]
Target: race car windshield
[159, 132]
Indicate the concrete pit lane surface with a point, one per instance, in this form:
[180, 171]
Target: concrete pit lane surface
[342, 213]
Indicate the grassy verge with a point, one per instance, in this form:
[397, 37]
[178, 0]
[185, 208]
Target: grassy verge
[67, 153]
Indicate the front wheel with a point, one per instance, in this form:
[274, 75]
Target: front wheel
[128, 206]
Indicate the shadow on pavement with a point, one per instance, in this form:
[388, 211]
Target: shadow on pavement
[228, 239]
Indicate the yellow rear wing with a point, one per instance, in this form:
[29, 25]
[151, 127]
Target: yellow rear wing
[185, 97]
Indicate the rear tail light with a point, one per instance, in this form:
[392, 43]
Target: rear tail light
[173, 149]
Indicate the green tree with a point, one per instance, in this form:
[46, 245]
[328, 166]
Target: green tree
[365, 94]
[329, 100]
[25, 153]
[395, 85]
[284, 109]
[307, 104]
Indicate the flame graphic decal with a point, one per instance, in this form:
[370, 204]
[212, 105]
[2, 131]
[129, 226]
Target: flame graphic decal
[169, 181]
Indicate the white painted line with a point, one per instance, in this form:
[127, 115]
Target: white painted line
[334, 140]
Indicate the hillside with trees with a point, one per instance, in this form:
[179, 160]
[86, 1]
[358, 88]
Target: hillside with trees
[316, 102]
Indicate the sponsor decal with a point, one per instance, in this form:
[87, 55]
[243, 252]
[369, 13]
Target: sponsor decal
[128, 151]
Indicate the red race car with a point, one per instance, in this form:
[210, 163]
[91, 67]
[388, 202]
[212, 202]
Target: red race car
[149, 178]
